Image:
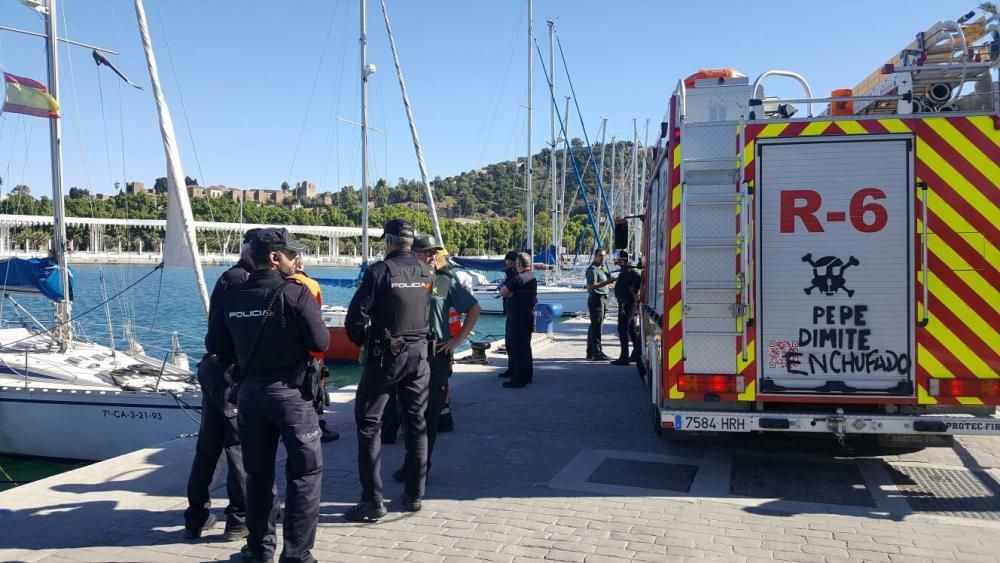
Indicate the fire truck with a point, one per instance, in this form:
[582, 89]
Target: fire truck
[836, 272]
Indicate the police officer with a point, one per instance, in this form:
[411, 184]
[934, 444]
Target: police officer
[446, 294]
[271, 324]
[521, 292]
[598, 280]
[627, 294]
[388, 316]
[219, 432]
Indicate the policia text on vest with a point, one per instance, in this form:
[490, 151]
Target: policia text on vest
[388, 316]
[272, 354]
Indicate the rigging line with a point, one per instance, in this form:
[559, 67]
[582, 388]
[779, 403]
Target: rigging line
[499, 87]
[567, 144]
[187, 121]
[185, 407]
[104, 121]
[583, 126]
[312, 91]
[90, 310]
[13, 145]
[332, 128]
[156, 307]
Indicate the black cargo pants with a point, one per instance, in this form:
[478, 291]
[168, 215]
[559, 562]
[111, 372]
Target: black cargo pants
[409, 374]
[597, 307]
[628, 329]
[218, 433]
[272, 411]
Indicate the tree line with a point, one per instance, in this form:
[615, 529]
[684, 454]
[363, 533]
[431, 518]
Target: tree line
[481, 211]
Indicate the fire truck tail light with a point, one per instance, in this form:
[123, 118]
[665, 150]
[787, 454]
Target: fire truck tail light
[989, 388]
[707, 383]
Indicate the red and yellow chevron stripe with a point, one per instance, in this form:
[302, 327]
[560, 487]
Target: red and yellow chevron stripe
[959, 160]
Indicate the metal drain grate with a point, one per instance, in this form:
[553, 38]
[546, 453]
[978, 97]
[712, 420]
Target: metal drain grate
[825, 482]
[645, 474]
[948, 492]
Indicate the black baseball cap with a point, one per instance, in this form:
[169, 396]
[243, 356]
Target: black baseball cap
[270, 239]
[622, 255]
[250, 235]
[427, 243]
[399, 228]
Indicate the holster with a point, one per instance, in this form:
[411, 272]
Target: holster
[309, 380]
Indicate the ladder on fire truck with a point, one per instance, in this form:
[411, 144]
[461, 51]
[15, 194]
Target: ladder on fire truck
[932, 69]
[710, 244]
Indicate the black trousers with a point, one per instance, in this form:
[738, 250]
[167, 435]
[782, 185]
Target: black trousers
[628, 329]
[520, 326]
[272, 412]
[437, 395]
[409, 374]
[597, 306]
[218, 433]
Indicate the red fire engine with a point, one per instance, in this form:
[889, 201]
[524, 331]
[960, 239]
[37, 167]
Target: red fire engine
[837, 272]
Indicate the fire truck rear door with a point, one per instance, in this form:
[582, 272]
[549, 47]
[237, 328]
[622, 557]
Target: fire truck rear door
[835, 310]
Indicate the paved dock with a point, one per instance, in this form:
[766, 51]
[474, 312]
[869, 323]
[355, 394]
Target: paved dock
[568, 469]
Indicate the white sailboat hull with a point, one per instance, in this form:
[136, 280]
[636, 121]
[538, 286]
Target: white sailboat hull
[572, 299]
[90, 425]
[90, 402]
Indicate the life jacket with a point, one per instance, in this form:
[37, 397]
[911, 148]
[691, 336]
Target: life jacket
[454, 322]
[406, 307]
[313, 287]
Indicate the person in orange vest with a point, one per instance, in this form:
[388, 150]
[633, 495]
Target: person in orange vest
[313, 286]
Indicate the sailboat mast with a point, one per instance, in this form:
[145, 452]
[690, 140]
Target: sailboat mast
[597, 194]
[178, 206]
[428, 191]
[552, 148]
[63, 309]
[634, 200]
[530, 208]
[365, 73]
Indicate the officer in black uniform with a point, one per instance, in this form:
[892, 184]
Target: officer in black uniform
[627, 295]
[270, 326]
[389, 317]
[219, 432]
[521, 291]
[510, 270]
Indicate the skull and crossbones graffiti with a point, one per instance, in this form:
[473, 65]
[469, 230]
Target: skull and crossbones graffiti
[829, 282]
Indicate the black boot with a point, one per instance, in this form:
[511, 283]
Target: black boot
[366, 510]
[195, 533]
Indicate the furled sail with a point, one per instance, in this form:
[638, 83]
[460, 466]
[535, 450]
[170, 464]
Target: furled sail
[180, 247]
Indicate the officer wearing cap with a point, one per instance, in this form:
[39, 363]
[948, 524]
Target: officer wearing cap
[627, 295]
[219, 432]
[598, 280]
[446, 294]
[388, 316]
[271, 324]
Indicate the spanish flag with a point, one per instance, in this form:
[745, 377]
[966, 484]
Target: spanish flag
[26, 96]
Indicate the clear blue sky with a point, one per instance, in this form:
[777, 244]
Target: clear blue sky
[246, 70]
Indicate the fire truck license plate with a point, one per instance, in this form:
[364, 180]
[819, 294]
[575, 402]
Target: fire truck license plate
[712, 423]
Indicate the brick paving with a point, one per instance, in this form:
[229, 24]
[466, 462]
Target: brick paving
[510, 484]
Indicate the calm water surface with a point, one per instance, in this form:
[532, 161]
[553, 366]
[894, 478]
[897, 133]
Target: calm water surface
[161, 305]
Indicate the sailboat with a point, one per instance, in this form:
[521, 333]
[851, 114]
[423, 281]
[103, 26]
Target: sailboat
[341, 348]
[63, 397]
[570, 295]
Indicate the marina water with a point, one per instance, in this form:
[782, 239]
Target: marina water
[164, 303]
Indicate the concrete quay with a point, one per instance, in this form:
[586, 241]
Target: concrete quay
[567, 469]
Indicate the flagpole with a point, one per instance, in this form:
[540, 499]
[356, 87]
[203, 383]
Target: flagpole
[64, 333]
